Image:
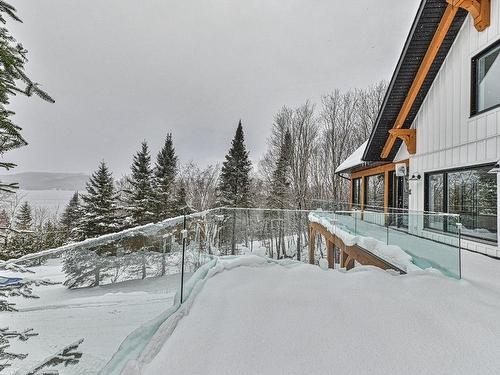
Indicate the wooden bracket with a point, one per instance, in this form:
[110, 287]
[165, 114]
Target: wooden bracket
[409, 137]
[479, 9]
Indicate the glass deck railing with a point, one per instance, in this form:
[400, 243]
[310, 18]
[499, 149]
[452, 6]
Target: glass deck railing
[405, 231]
[114, 284]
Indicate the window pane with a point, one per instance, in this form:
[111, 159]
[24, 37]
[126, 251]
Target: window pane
[356, 192]
[435, 199]
[473, 195]
[375, 192]
[488, 80]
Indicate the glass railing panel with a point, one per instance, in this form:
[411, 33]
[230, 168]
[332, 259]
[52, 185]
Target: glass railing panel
[278, 234]
[372, 224]
[198, 246]
[106, 287]
[407, 240]
[432, 240]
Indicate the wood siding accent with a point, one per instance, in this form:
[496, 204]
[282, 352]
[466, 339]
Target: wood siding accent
[377, 170]
[386, 191]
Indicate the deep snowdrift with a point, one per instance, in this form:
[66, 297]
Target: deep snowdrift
[269, 319]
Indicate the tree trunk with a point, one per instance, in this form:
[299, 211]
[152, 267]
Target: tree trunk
[97, 276]
[143, 261]
[299, 245]
[163, 261]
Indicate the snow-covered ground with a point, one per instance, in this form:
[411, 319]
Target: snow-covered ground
[270, 319]
[252, 315]
[103, 316]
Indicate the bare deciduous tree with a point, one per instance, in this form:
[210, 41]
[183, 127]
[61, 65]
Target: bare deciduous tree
[201, 185]
[322, 142]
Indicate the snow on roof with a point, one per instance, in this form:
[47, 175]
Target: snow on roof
[354, 160]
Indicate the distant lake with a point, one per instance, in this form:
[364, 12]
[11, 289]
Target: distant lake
[54, 200]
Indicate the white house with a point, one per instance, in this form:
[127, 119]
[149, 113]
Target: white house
[441, 118]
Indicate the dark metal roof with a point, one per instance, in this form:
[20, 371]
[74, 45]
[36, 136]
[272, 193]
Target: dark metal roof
[422, 31]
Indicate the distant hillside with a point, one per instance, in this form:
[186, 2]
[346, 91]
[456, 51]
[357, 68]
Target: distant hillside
[47, 180]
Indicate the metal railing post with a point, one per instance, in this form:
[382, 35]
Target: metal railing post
[459, 228]
[355, 222]
[184, 236]
[386, 219]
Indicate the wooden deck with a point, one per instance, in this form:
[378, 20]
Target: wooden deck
[348, 254]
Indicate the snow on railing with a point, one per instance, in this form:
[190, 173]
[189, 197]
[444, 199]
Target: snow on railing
[147, 229]
[404, 239]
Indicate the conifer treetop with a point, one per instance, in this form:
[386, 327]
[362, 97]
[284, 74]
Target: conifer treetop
[234, 184]
[165, 173]
[141, 200]
[100, 203]
[24, 218]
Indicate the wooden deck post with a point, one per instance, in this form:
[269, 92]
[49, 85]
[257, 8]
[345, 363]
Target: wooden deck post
[312, 244]
[348, 254]
[330, 254]
[348, 261]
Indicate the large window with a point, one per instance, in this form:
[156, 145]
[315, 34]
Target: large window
[471, 193]
[435, 200]
[374, 192]
[356, 192]
[486, 80]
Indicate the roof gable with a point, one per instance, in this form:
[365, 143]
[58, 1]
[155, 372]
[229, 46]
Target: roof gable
[422, 31]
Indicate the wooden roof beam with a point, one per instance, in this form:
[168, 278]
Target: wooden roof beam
[479, 10]
[425, 66]
[409, 137]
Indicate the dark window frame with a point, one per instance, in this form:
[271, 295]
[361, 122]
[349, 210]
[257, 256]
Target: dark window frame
[473, 91]
[445, 173]
[354, 187]
[367, 204]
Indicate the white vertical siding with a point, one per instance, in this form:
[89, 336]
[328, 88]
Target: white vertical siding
[447, 137]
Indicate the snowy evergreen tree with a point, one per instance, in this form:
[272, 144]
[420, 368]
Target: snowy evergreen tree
[280, 196]
[180, 205]
[85, 267]
[13, 80]
[4, 218]
[70, 219]
[65, 357]
[24, 218]
[140, 197]
[100, 204]
[234, 183]
[51, 236]
[165, 172]
[6, 335]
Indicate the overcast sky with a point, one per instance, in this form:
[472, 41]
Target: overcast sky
[122, 71]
